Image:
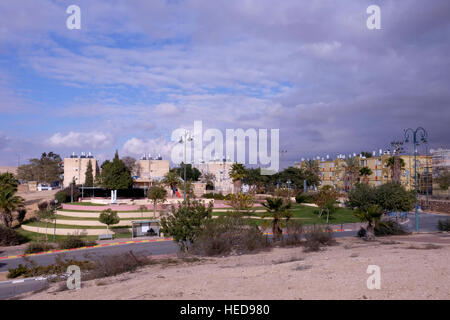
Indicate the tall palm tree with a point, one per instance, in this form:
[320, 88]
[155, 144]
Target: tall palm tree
[351, 171]
[171, 179]
[277, 209]
[237, 173]
[365, 172]
[396, 165]
[9, 203]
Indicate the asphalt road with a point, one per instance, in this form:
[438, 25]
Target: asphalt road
[427, 223]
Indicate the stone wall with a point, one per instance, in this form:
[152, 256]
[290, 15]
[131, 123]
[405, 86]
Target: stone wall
[442, 206]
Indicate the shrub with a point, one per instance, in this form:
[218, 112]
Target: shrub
[444, 225]
[294, 230]
[10, 237]
[108, 266]
[64, 195]
[215, 196]
[36, 247]
[228, 234]
[317, 238]
[185, 222]
[388, 227]
[74, 241]
[18, 271]
[304, 198]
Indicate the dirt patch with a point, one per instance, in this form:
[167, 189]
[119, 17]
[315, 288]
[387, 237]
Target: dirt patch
[327, 274]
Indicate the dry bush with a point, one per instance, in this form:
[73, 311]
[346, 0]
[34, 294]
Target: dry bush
[108, 266]
[294, 230]
[226, 235]
[318, 238]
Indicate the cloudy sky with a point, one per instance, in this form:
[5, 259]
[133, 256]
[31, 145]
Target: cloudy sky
[139, 69]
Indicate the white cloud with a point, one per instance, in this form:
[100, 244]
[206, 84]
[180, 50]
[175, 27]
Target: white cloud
[138, 147]
[81, 139]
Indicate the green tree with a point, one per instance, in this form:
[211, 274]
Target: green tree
[325, 200]
[351, 171]
[157, 195]
[46, 169]
[237, 174]
[371, 215]
[365, 172]
[396, 165]
[393, 196]
[109, 217]
[278, 209]
[185, 222]
[171, 179]
[361, 197]
[9, 203]
[89, 177]
[255, 180]
[115, 175]
[46, 213]
[7, 180]
[192, 174]
[443, 179]
[240, 202]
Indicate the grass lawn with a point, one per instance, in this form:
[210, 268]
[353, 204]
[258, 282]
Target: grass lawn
[67, 226]
[309, 215]
[86, 204]
[33, 236]
[62, 217]
[70, 210]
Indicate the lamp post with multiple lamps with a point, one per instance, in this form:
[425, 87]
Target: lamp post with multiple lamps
[185, 138]
[423, 138]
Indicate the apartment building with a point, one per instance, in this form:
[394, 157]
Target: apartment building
[150, 170]
[220, 169]
[334, 172]
[75, 168]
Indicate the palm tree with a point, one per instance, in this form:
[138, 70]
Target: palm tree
[373, 218]
[365, 172]
[157, 195]
[277, 209]
[351, 171]
[171, 179]
[237, 173]
[395, 168]
[9, 203]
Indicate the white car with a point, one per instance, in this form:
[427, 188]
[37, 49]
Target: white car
[42, 187]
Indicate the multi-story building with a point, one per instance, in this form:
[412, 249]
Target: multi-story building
[221, 172]
[441, 162]
[334, 172]
[75, 168]
[150, 170]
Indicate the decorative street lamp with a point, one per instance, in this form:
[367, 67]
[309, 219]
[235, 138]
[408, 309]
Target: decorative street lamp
[187, 137]
[423, 138]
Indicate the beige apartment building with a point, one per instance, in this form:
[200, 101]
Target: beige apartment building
[150, 170]
[334, 173]
[75, 168]
[220, 169]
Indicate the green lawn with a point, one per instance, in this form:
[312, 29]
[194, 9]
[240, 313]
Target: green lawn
[309, 215]
[62, 217]
[86, 204]
[33, 236]
[70, 210]
[67, 226]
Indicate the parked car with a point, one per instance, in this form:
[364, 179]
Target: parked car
[42, 187]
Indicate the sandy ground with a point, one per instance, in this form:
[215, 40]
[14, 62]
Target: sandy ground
[33, 198]
[412, 267]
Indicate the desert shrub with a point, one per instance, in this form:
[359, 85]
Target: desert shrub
[388, 227]
[37, 246]
[317, 238]
[294, 230]
[74, 241]
[58, 268]
[304, 198]
[108, 266]
[10, 237]
[215, 196]
[444, 225]
[226, 235]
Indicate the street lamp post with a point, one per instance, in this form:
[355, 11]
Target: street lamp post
[423, 138]
[54, 222]
[187, 138]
